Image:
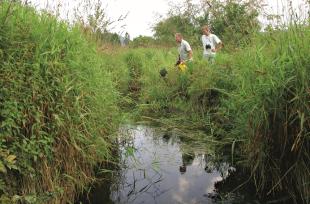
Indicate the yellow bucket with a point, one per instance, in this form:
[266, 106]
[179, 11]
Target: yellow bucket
[182, 67]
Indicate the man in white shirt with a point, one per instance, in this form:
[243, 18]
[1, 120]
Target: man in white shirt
[185, 50]
[211, 44]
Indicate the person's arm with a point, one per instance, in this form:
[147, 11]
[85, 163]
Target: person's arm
[190, 55]
[178, 61]
[203, 42]
[189, 51]
[218, 44]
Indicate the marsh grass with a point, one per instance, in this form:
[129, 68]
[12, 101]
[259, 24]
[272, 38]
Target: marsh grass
[273, 102]
[60, 100]
[58, 108]
[255, 99]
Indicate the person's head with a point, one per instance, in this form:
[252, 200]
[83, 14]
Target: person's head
[178, 37]
[206, 30]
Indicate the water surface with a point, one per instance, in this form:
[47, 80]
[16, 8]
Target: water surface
[157, 167]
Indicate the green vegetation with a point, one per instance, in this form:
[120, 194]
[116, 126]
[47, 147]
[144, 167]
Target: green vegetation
[233, 21]
[61, 94]
[58, 107]
[256, 100]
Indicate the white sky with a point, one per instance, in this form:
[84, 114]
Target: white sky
[143, 13]
[141, 16]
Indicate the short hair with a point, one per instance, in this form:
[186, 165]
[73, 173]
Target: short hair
[178, 34]
[205, 27]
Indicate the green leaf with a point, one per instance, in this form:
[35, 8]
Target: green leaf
[31, 199]
[2, 168]
[16, 198]
[11, 159]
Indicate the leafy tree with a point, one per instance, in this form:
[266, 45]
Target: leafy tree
[234, 22]
[165, 30]
[231, 20]
[143, 41]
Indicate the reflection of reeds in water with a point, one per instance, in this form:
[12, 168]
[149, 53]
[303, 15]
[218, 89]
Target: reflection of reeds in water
[135, 179]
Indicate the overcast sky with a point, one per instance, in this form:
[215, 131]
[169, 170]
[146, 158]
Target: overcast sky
[143, 13]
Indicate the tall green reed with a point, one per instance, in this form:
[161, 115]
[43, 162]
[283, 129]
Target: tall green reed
[58, 107]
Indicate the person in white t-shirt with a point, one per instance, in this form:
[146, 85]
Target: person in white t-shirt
[211, 44]
[185, 50]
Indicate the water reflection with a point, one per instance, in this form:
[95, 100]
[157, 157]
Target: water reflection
[158, 167]
[187, 160]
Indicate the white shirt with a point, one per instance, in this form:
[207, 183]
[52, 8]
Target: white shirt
[184, 48]
[212, 40]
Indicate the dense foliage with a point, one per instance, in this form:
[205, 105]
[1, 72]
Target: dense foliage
[234, 22]
[58, 105]
[256, 100]
[61, 91]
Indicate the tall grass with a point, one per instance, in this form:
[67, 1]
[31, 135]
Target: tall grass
[58, 108]
[59, 102]
[257, 98]
[272, 105]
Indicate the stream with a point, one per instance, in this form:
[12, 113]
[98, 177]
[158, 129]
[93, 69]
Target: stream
[157, 167]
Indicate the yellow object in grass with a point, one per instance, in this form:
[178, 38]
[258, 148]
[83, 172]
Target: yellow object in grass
[182, 67]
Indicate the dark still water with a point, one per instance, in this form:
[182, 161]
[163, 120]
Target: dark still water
[166, 169]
